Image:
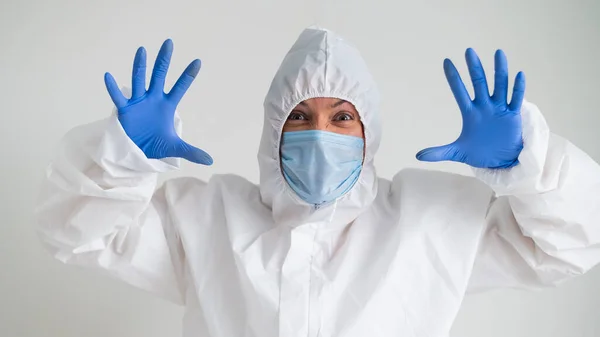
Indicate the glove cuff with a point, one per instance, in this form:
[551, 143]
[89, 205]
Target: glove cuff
[524, 178]
[117, 151]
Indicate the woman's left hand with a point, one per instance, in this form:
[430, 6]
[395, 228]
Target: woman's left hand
[491, 131]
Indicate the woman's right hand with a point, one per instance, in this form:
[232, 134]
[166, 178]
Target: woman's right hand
[148, 116]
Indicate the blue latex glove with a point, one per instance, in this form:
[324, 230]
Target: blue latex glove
[148, 117]
[491, 132]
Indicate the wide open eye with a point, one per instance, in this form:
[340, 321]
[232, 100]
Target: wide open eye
[343, 117]
[297, 116]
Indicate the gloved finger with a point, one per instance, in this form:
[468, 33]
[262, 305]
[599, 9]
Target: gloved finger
[477, 73]
[457, 86]
[437, 153]
[518, 93]
[500, 78]
[191, 153]
[161, 66]
[184, 81]
[113, 90]
[138, 76]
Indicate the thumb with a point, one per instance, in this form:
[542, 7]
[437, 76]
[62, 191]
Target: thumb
[438, 153]
[191, 153]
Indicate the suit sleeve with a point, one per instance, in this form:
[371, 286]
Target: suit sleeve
[543, 224]
[100, 208]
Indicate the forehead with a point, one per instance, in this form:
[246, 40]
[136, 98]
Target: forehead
[325, 102]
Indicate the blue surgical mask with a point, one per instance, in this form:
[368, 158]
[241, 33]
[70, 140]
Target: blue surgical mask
[321, 166]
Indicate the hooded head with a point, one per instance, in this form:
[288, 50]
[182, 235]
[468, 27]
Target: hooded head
[319, 64]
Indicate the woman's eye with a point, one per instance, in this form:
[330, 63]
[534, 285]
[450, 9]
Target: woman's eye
[343, 117]
[294, 116]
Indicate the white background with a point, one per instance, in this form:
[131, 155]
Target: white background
[53, 55]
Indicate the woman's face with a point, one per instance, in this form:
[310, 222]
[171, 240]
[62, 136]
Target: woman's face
[325, 114]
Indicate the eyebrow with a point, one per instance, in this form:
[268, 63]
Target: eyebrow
[338, 103]
[334, 105]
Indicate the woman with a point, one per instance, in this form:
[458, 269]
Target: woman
[322, 247]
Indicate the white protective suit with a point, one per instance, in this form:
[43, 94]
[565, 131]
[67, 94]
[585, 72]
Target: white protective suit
[390, 258]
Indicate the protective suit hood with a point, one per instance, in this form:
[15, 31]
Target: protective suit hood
[319, 64]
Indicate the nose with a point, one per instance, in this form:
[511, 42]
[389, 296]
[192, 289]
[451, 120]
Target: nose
[321, 122]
